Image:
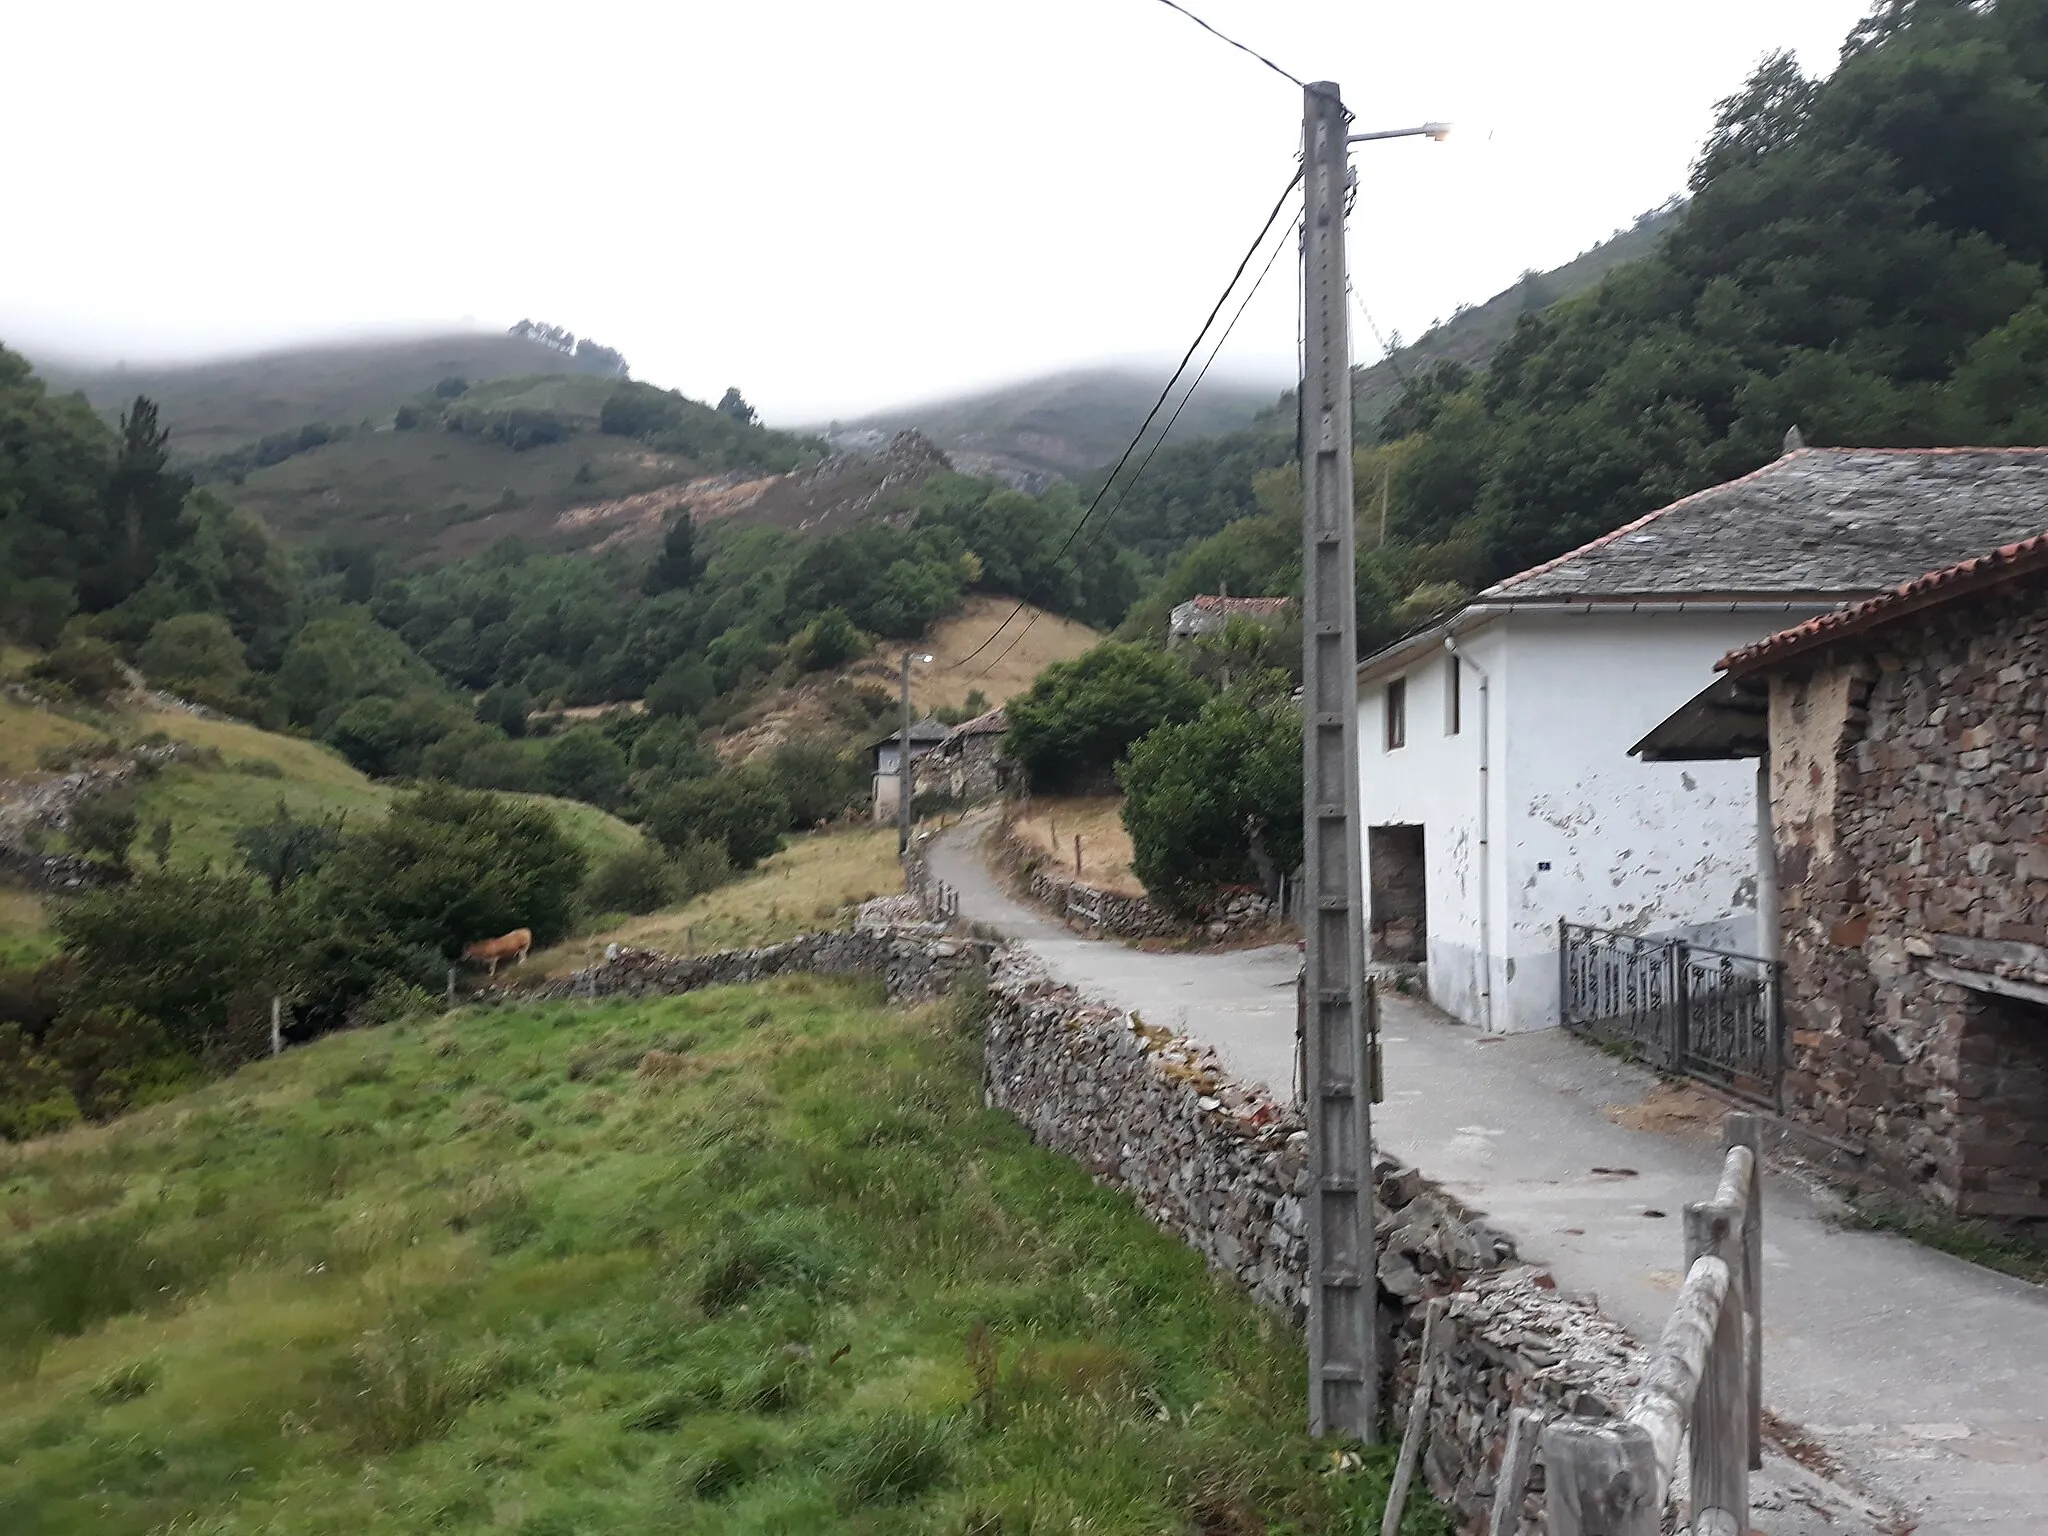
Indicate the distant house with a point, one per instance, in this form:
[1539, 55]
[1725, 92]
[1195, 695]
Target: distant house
[1498, 794]
[1902, 740]
[888, 756]
[968, 763]
[1209, 615]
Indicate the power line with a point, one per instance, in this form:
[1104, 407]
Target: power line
[1285, 74]
[1157, 405]
[1124, 496]
[1392, 361]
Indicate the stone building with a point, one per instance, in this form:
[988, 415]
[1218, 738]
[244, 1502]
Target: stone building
[1907, 761]
[968, 763]
[888, 755]
[1209, 615]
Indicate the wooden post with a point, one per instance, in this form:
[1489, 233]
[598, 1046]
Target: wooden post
[1418, 1419]
[276, 1025]
[1741, 1129]
[1720, 1412]
[451, 986]
[1077, 855]
[1600, 1478]
[1517, 1460]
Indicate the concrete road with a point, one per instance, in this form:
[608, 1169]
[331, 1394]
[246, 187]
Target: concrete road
[1923, 1379]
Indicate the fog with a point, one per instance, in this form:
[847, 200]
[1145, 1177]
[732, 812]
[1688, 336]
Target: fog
[836, 207]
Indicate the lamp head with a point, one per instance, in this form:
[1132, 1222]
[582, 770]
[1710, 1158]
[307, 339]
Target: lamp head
[1437, 131]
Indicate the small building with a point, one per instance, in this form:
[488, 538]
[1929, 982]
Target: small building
[888, 755]
[1499, 799]
[1905, 744]
[968, 764]
[1209, 615]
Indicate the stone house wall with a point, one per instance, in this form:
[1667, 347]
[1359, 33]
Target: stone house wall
[1907, 780]
[970, 770]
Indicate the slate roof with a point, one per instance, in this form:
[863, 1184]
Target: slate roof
[2011, 563]
[1255, 607]
[1837, 522]
[923, 730]
[993, 723]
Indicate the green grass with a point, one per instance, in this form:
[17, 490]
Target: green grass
[2006, 1252]
[753, 1260]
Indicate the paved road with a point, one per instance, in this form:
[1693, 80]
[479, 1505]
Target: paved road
[1925, 1378]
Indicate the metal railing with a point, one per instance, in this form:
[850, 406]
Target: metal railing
[1612, 1477]
[1711, 1013]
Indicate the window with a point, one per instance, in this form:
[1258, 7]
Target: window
[1397, 713]
[1454, 673]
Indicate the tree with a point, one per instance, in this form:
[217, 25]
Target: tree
[287, 847]
[197, 652]
[80, 668]
[734, 404]
[743, 811]
[583, 764]
[103, 824]
[1080, 716]
[675, 569]
[37, 609]
[1215, 801]
[829, 640]
[684, 687]
[639, 879]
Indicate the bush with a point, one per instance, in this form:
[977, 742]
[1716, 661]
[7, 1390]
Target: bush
[1081, 716]
[103, 824]
[1215, 801]
[195, 650]
[38, 609]
[584, 764]
[287, 848]
[633, 880]
[700, 866]
[684, 687]
[80, 668]
[479, 757]
[829, 640]
[744, 812]
[818, 781]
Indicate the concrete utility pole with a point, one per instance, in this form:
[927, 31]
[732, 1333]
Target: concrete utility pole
[903, 783]
[1343, 1272]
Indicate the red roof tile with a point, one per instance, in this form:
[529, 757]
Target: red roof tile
[2007, 563]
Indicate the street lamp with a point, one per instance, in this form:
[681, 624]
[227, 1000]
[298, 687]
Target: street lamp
[1437, 131]
[903, 782]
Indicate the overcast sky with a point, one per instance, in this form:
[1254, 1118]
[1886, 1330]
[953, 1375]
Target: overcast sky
[837, 206]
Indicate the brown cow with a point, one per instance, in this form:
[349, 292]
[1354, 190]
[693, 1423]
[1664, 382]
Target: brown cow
[512, 946]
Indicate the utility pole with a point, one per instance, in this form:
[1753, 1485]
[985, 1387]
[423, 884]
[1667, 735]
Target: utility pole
[903, 770]
[1343, 1271]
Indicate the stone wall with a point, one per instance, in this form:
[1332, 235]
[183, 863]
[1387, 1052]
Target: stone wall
[1225, 1168]
[916, 962]
[32, 807]
[1113, 914]
[1912, 844]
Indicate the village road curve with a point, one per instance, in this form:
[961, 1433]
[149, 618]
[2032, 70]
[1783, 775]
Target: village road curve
[1924, 1377]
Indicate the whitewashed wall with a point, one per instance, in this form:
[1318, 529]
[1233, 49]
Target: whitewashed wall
[1642, 847]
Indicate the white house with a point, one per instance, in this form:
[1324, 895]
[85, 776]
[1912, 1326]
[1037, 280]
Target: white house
[1498, 793]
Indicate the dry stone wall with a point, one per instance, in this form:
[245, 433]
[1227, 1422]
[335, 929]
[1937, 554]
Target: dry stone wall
[1115, 914]
[1908, 773]
[916, 963]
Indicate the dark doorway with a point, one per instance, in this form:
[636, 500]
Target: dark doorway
[1400, 897]
[2001, 1113]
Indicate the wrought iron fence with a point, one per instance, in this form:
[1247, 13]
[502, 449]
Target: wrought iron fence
[1710, 1013]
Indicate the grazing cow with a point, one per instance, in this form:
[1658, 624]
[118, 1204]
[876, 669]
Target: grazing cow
[512, 946]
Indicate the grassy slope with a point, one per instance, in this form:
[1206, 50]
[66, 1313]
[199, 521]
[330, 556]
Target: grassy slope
[1051, 823]
[808, 886]
[480, 1272]
[214, 406]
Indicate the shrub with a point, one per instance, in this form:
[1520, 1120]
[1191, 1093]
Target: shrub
[633, 880]
[1081, 716]
[80, 668]
[684, 687]
[103, 824]
[818, 781]
[195, 650]
[1215, 801]
[829, 640]
[743, 811]
[700, 866]
[287, 847]
[584, 764]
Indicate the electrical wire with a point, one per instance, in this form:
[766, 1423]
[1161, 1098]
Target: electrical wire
[1157, 405]
[1214, 352]
[1390, 358]
[1285, 74]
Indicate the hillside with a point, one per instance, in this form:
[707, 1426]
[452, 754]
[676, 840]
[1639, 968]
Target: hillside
[227, 403]
[1041, 431]
[751, 1260]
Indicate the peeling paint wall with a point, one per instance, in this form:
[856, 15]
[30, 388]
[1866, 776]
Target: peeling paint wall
[1579, 829]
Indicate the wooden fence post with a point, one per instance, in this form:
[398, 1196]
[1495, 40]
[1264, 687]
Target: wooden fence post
[1077, 855]
[1418, 1420]
[451, 986]
[276, 1025]
[1600, 1478]
[1517, 1459]
[1720, 1414]
[1741, 1129]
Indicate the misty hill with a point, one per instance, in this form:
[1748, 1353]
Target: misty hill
[1035, 433]
[217, 406]
[1198, 485]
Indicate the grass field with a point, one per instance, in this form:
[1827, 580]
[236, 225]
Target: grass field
[1051, 823]
[25, 937]
[806, 887]
[26, 730]
[753, 1260]
[1003, 670]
